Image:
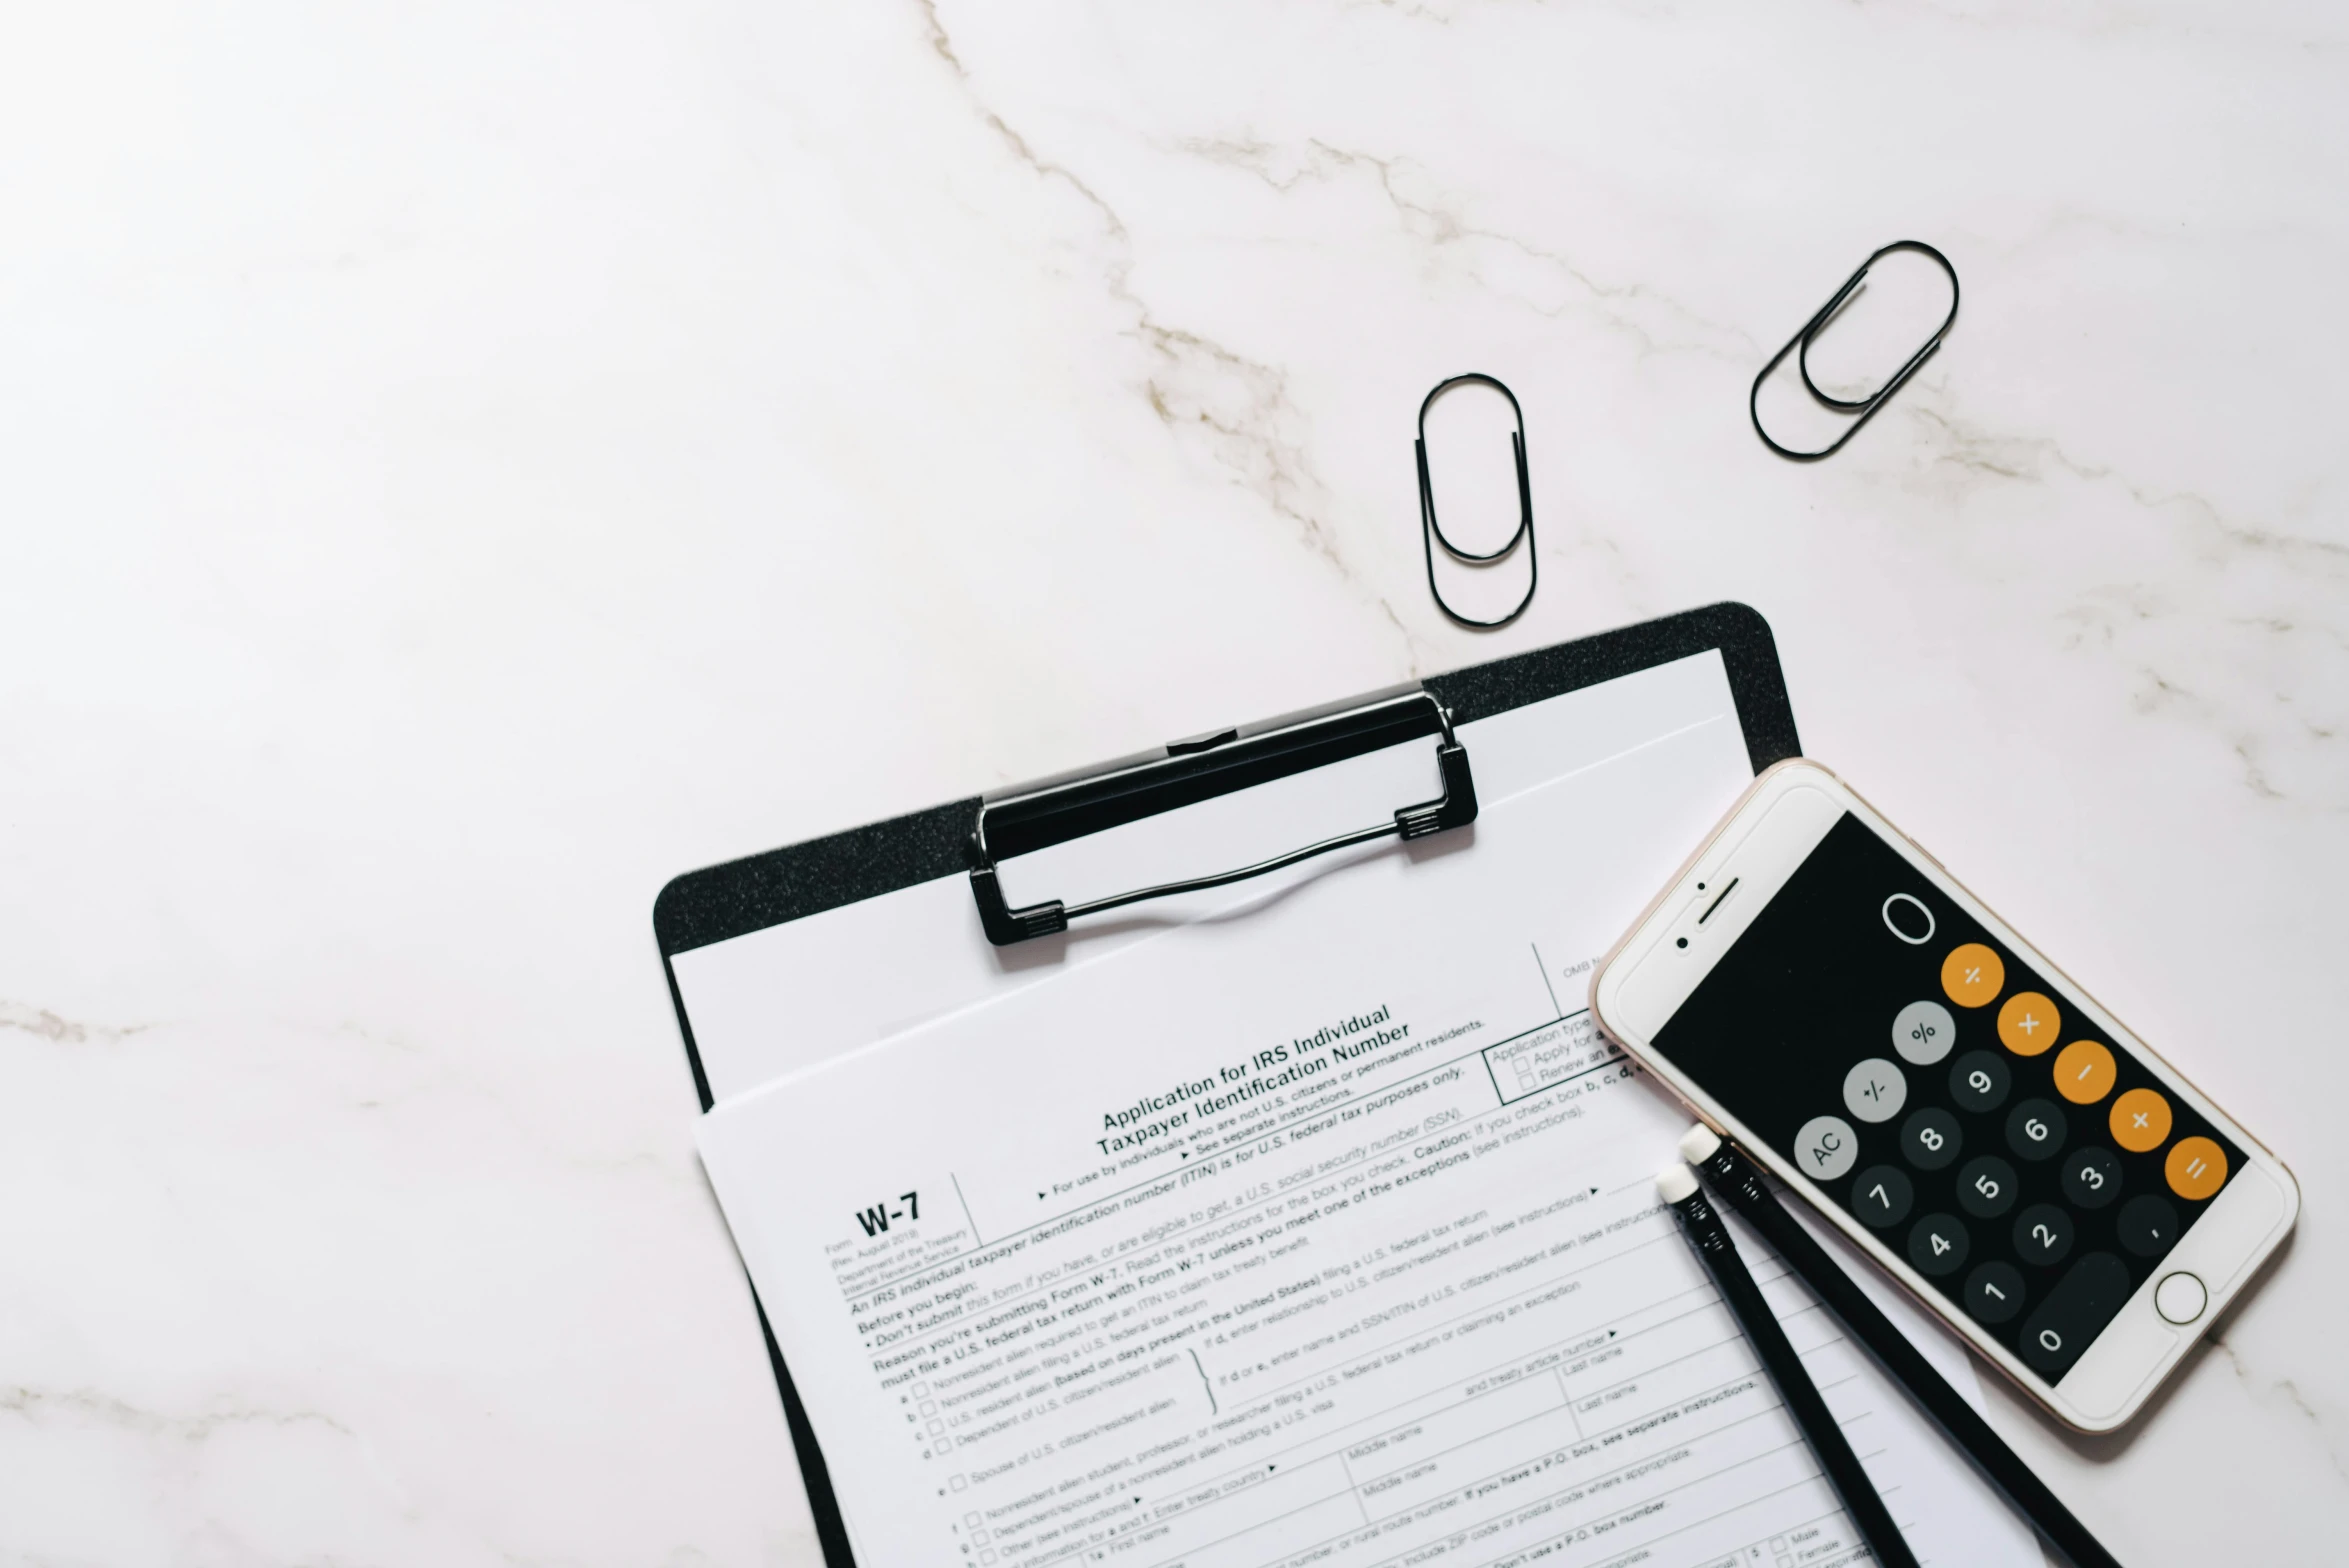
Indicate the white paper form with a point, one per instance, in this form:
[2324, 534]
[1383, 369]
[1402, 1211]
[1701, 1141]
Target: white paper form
[782, 999]
[1322, 1232]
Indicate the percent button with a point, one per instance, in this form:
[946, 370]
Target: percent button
[1923, 1032]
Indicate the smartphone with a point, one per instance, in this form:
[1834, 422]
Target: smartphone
[1820, 990]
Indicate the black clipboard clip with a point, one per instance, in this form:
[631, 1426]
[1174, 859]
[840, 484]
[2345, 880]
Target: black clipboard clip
[1187, 771]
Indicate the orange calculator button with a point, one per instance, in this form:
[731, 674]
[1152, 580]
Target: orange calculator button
[2196, 1168]
[1973, 975]
[2028, 1023]
[2084, 1072]
[2140, 1120]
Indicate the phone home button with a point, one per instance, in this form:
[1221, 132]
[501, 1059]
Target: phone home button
[2180, 1297]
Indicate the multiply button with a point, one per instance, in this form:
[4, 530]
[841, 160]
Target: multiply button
[2029, 1023]
[2196, 1168]
[2082, 1302]
[1973, 975]
[1826, 1148]
[2140, 1120]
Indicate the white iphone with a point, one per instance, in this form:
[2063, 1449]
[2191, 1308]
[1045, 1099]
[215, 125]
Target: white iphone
[1820, 990]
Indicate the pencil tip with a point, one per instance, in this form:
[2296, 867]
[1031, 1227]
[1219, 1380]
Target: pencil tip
[1676, 1183]
[1698, 1143]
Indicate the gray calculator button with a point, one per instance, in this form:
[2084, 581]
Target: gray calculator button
[2092, 1178]
[1986, 1187]
[1875, 1091]
[2035, 1129]
[1923, 1032]
[1931, 1138]
[1995, 1292]
[1938, 1245]
[2149, 1226]
[1826, 1148]
[1881, 1196]
[1978, 1081]
[2043, 1234]
[2074, 1313]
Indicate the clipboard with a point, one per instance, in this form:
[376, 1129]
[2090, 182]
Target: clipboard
[955, 851]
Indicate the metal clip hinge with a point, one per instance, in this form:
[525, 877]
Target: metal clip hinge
[1456, 807]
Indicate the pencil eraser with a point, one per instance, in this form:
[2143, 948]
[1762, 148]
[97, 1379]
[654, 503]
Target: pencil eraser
[1676, 1183]
[1698, 1143]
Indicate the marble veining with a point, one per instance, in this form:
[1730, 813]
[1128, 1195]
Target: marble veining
[2270, 601]
[462, 467]
[2286, 1389]
[1437, 219]
[1196, 385]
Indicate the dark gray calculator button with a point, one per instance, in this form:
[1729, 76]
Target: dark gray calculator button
[2149, 1226]
[2092, 1178]
[2074, 1313]
[1881, 1196]
[1994, 1292]
[2035, 1129]
[1979, 1081]
[1986, 1187]
[1929, 1139]
[1938, 1245]
[2043, 1234]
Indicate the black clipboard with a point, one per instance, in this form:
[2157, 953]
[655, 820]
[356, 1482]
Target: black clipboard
[808, 878]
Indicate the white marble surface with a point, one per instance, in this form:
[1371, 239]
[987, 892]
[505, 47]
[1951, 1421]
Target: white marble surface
[462, 464]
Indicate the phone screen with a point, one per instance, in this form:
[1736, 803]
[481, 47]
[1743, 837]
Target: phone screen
[1958, 1103]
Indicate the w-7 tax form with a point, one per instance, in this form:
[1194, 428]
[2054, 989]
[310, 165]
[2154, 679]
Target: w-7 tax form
[1322, 1231]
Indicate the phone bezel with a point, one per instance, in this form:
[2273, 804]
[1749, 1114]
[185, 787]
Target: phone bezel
[1732, 850]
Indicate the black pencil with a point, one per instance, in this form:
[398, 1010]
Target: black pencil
[1738, 1180]
[1711, 1241]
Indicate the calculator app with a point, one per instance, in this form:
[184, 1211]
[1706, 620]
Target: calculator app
[1957, 1103]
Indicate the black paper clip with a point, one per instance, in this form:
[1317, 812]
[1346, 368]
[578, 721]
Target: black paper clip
[1431, 532]
[1800, 346]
